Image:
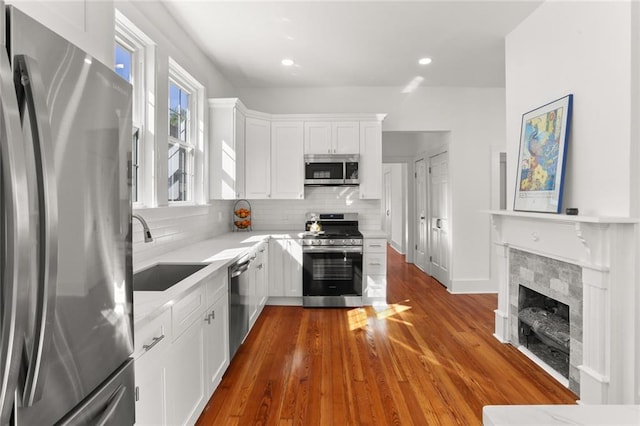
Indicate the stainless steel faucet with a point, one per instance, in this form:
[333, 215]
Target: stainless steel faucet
[147, 233]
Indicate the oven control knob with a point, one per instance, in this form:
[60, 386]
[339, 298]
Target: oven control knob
[331, 242]
[353, 242]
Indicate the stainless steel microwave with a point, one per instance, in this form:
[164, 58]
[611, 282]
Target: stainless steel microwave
[331, 170]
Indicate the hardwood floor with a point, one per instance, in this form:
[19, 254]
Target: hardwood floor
[428, 358]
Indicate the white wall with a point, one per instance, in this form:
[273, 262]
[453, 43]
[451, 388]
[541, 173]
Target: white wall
[173, 227]
[584, 48]
[475, 119]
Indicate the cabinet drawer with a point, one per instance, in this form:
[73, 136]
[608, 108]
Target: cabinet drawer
[378, 245]
[375, 264]
[376, 287]
[187, 310]
[217, 285]
[153, 336]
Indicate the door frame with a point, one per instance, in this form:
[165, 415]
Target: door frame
[416, 215]
[449, 209]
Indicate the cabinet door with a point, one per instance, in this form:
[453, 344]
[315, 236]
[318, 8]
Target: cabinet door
[370, 167]
[216, 341]
[287, 160]
[293, 268]
[276, 267]
[186, 396]
[346, 138]
[317, 137]
[151, 388]
[226, 142]
[262, 277]
[257, 158]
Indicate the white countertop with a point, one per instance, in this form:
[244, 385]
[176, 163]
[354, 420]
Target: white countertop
[530, 415]
[373, 233]
[218, 253]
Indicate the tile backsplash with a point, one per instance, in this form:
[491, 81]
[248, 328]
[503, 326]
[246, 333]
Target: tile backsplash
[178, 226]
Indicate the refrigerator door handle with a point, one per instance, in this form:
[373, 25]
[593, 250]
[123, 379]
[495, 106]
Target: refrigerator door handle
[16, 236]
[31, 95]
[112, 407]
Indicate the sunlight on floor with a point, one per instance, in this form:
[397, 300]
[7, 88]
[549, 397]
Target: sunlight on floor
[358, 317]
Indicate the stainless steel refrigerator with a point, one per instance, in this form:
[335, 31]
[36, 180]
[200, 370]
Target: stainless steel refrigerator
[66, 300]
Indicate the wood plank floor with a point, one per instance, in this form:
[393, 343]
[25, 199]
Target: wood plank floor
[428, 358]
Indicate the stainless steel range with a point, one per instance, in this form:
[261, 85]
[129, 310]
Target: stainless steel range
[332, 261]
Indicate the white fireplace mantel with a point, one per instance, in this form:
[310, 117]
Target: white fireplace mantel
[605, 249]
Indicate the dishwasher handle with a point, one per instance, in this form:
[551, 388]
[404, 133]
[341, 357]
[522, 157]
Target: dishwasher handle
[238, 269]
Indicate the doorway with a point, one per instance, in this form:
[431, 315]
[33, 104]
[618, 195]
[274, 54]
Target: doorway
[439, 238]
[420, 175]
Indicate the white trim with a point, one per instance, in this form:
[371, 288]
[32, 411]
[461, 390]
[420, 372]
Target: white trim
[143, 78]
[472, 286]
[195, 121]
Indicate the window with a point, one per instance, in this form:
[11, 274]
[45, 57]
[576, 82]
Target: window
[124, 57]
[180, 147]
[134, 55]
[124, 61]
[186, 97]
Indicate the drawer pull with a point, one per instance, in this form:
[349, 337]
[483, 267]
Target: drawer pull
[155, 341]
[375, 264]
[375, 245]
[210, 317]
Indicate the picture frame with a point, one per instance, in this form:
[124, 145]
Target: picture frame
[544, 136]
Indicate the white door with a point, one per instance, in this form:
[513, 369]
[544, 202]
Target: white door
[386, 202]
[439, 217]
[257, 158]
[420, 258]
[287, 160]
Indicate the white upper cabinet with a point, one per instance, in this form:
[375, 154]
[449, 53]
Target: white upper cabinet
[345, 135]
[287, 160]
[370, 167]
[227, 143]
[331, 137]
[317, 137]
[257, 158]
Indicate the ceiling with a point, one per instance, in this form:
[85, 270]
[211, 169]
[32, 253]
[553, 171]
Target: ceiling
[354, 43]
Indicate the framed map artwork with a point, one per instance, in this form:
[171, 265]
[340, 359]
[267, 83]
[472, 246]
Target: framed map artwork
[541, 162]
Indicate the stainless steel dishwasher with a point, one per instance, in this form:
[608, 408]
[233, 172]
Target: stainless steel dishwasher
[238, 303]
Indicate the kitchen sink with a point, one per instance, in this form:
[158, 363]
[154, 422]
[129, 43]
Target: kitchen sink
[164, 275]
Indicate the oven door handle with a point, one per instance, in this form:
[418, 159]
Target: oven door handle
[331, 249]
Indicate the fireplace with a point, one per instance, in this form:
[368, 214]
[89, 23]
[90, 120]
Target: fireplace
[589, 265]
[553, 286]
[544, 329]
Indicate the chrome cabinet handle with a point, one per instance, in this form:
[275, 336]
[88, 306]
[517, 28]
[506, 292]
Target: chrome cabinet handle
[210, 317]
[14, 230]
[154, 342]
[32, 97]
[375, 264]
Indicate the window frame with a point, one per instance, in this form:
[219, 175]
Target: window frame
[129, 36]
[194, 144]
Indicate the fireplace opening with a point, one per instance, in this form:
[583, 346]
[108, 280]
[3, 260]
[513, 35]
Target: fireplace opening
[543, 328]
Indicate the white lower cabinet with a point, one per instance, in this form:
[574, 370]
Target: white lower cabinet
[285, 269]
[258, 283]
[186, 396]
[151, 365]
[374, 287]
[180, 356]
[216, 341]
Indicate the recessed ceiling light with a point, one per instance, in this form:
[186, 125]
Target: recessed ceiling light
[287, 62]
[424, 61]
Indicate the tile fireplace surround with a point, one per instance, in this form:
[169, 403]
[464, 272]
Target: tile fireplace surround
[604, 250]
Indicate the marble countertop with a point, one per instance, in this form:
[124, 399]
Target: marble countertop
[376, 233]
[218, 253]
[530, 415]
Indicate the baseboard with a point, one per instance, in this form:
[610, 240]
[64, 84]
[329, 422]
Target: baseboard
[480, 285]
[396, 247]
